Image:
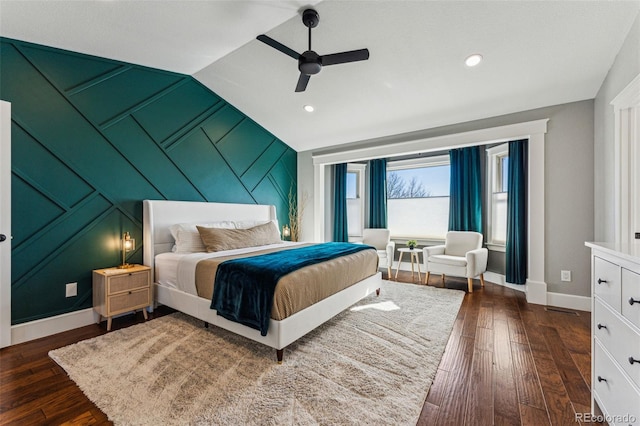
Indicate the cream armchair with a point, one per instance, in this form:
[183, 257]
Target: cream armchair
[461, 255]
[381, 239]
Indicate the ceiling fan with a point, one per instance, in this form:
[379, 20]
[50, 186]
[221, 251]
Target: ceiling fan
[309, 62]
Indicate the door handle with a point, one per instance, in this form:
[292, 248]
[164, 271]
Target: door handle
[2, 237]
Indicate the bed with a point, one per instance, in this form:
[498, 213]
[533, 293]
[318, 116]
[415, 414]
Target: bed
[159, 216]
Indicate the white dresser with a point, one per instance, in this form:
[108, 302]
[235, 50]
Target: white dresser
[615, 329]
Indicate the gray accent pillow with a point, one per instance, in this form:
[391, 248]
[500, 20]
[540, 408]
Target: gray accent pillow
[217, 239]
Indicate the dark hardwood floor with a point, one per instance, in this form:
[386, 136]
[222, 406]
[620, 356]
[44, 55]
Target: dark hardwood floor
[506, 363]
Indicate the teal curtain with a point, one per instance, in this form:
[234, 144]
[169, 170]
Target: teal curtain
[516, 250]
[465, 191]
[340, 231]
[378, 193]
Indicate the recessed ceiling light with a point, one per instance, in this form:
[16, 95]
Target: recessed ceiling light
[473, 60]
[309, 108]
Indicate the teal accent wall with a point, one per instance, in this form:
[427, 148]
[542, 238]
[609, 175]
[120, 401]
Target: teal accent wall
[91, 139]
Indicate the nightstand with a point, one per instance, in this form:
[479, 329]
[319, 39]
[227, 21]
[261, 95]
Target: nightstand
[116, 291]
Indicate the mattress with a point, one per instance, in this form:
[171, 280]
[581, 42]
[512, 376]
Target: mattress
[194, 273]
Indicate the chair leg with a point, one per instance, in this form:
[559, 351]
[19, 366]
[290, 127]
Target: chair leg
[482, 279]
[442, 280]
[389, 271]
[426, 277]
[470, 282]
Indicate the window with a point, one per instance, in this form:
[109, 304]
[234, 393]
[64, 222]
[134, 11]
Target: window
[418, 197]
[497, 179]
[355, 199]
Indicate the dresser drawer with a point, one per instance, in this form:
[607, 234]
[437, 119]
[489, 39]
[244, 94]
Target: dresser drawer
[620, 340]
[631, 290]
[616, 396]
[607, 282]
[129, 301]
[126, 282]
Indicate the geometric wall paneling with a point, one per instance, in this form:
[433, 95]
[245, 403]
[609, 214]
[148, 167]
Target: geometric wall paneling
[52, 239]
[57, 181]
[92, 138]
[151, 161]
[243, 145]
[108, 98]
[173, 112]
[34, 208]
[203, 165]
[94, 247]
[221, 122]
[66, 69]
[255, 173]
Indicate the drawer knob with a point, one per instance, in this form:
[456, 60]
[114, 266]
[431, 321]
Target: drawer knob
[632, 361]
[600, 281]
[632, 301]
[601, 326]
[129, 292]
[601, 379]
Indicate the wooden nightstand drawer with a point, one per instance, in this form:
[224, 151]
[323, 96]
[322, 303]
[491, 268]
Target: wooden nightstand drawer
[128, 301]
[131, 281]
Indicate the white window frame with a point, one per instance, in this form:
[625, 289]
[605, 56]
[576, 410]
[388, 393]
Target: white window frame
[359, 170]
[415, 163]
[494, 154]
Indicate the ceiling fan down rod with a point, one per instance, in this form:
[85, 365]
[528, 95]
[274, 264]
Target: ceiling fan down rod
[309, 38]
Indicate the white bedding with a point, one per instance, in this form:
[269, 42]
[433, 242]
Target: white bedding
[178, 270]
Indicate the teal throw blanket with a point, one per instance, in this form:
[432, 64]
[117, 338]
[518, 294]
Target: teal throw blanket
[244, 288]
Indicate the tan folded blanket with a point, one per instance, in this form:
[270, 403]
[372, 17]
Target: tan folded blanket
[304, 287]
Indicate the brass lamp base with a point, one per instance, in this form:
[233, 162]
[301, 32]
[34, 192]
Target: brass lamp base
[125, 266]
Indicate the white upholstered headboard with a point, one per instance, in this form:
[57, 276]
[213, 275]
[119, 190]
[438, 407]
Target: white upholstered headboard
[159, 215]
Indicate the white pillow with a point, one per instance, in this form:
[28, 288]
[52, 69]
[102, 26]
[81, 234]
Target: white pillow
[186, 236]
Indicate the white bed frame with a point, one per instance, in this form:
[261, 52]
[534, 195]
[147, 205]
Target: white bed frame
[158, 216]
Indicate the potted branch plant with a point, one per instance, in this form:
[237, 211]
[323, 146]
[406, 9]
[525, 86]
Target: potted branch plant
[412, 244]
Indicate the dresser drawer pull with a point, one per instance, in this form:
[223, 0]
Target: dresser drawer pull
[601, 379]
[600, 281]
[632, 360]
[600, 326]
[632, 301]
[129, 292]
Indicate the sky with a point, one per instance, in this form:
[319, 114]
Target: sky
[434, 179]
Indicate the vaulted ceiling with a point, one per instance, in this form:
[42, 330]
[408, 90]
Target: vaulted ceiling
[536, 53]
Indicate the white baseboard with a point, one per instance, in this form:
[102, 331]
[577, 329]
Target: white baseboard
[536, 292]
[569, 301]
[32, 330]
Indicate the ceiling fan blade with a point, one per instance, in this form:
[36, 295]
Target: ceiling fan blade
[278, 46]
[302, 82]
[343, 57]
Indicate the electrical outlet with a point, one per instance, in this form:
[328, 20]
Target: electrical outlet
[565, 275]
[71, 289]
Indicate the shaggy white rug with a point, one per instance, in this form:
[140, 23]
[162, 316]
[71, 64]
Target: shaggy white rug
[371, 364]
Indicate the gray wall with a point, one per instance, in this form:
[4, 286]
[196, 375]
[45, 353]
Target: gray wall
[568, 186]
[624, 69]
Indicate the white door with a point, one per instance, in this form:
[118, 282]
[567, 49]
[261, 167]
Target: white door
[5, 224]
[626, 108]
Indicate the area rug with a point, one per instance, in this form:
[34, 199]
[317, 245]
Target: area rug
[371, 364]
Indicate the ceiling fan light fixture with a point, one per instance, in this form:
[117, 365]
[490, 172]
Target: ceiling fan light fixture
[473, 60]
[309, 62]
[308, 108]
